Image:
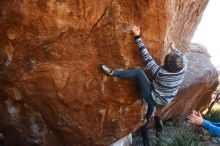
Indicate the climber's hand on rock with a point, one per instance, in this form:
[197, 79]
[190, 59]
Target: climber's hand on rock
[135, 30]
[172, 46]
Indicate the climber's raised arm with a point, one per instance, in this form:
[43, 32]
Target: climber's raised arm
[151, 64]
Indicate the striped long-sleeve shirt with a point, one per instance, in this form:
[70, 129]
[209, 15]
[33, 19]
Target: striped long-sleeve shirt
[165, 84]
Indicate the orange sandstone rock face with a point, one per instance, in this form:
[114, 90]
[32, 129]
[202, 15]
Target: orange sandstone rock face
[51, 91]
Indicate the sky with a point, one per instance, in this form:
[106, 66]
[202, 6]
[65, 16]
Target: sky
[208, 31]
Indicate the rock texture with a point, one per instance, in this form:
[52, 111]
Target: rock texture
[51, 91]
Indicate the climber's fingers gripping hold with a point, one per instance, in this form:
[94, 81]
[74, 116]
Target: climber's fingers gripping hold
[135, 30]
[172, 46]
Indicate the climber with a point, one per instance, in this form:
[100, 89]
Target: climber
[212, 127]
[167, 79]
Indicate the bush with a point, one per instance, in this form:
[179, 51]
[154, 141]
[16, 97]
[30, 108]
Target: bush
[178, 136]
[214, 116]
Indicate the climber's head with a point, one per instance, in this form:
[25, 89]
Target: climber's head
[173, 63]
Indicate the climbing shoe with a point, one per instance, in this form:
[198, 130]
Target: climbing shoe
[106, 70]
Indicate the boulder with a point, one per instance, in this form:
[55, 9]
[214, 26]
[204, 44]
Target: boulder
[51, 90]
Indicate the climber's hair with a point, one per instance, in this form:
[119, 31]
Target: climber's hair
[173, 63]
